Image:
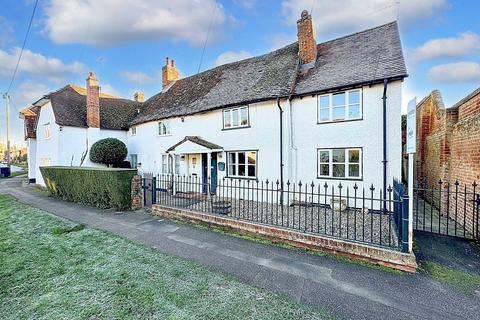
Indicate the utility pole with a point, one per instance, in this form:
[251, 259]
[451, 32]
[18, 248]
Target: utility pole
[7, 99]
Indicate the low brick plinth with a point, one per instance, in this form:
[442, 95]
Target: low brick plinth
[380, 256]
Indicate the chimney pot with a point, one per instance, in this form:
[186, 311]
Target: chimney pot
[307, 45]
[169, 73]
[167, 62]
[139, 96]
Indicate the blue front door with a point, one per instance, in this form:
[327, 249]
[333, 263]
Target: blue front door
[213, 173]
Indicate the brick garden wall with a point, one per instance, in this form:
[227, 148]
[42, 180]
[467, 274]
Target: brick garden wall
[448, 148]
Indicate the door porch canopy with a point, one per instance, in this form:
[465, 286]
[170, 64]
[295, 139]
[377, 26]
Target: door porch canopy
[194, 144]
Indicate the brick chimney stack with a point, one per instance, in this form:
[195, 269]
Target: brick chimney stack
[169, 73]
[307, 45]
[93, 101]
[139, 96]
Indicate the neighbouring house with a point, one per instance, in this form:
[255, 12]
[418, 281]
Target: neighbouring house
[61, 127]
[310, 112]
[448, 147]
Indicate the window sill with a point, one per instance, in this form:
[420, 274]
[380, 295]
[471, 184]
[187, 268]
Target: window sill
[235, 128]
[339, 178]
[164, 135]
[241, 178]
[338, 121]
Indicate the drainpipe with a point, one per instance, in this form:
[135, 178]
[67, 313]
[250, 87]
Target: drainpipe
[384, 161]
[281, 150]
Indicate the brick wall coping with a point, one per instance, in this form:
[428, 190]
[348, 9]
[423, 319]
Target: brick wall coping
[380, 256]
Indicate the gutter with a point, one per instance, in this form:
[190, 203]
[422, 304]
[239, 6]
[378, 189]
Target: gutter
[384, 161]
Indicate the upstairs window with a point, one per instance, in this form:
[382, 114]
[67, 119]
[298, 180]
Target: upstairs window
[133, 131]
[164, 128]
[236, 118]
[46, 131]
[340, 106]
[242, 164]
[340, 163]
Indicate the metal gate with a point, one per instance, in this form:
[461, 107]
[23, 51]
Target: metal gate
[447, 209]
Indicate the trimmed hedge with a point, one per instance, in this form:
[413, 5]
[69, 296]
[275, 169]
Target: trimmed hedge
[99, 187]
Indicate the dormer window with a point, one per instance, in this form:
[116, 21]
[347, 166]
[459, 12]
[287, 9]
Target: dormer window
[164, 128]
[236, 118]
[340, 106]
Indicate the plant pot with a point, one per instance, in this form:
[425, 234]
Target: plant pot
[338, 205]
[221, 207]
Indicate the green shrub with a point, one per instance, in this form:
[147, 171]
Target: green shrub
[99, 187]
[108, 151]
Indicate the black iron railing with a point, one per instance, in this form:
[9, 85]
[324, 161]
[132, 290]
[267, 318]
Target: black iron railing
[353, 213]
[447, 209]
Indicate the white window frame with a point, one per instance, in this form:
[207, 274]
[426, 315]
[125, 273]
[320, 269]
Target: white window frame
[165, 164]
[236, 164]
[47, 134]
[228, 114]
[347, 106]
[133, 131]
[164, 128]
[134, 160]
[176, 163]
[347, 164]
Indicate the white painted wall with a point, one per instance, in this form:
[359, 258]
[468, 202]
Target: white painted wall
[262, 135]
[301, 132]
[367, 133]
[47, 148]
[66, 144]
[302, 137]
[31, 157]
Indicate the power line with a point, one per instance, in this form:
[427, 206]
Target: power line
[23, 47]
[208, 34]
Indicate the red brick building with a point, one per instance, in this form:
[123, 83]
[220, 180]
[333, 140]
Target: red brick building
[448, 144]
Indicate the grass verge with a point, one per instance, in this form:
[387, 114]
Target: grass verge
[460, 280]
[18, 173]
[54, 269]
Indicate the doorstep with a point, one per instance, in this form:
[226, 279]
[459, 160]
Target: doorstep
[380, 256]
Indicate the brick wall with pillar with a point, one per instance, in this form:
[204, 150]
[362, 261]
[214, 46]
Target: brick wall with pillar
[136, 186]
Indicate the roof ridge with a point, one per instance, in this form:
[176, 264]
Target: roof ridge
[360, 32]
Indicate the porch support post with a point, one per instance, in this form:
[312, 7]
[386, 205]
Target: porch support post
[209, 172]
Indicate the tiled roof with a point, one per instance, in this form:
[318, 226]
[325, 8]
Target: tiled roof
[368, 56]
[364, 57]
[69, 108]
[260, 78]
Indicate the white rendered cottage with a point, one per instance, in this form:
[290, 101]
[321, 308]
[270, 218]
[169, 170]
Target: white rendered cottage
[61, 127]
[310, 112]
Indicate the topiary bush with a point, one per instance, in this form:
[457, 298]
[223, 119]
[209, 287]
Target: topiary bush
[109, 151]
[99, 187]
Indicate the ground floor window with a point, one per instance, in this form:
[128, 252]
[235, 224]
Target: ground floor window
[170, 163]
[134, 161]
[340, 163]
[242, 164]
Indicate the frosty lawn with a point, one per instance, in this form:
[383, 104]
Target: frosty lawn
[52, 268]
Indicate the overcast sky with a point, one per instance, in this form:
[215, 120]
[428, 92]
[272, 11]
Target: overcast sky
[125, 42]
